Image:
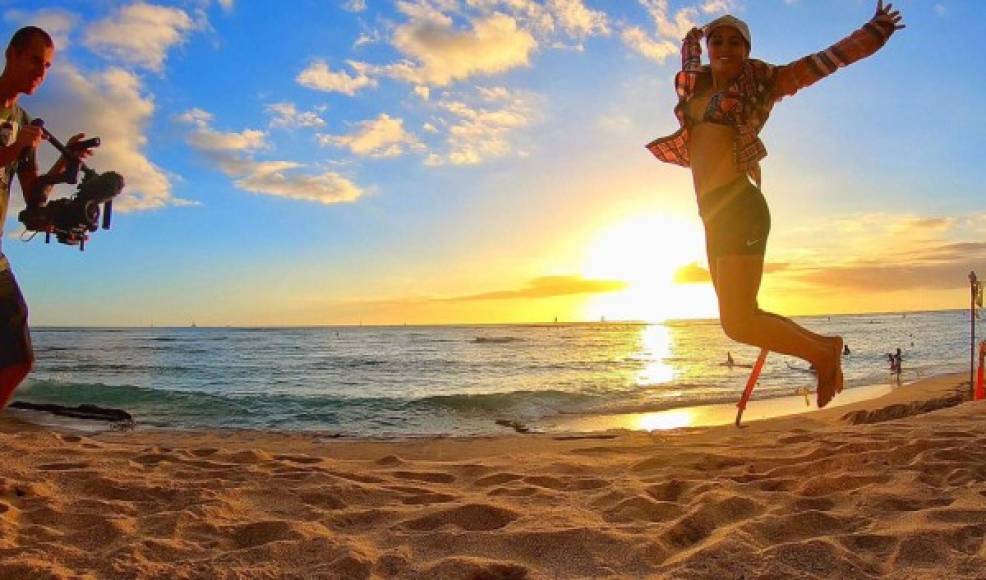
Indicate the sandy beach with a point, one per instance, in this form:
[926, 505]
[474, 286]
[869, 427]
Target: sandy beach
[889, 487]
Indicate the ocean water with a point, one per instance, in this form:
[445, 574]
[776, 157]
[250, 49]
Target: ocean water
[451, 380]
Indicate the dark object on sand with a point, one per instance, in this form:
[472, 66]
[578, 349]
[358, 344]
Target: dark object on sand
[85, 411]
[515, 425]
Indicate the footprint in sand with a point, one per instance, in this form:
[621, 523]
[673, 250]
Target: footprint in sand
[470, 517]
[419, 496]
[63, 466]
[799, 526]
[151, 459]
[672, 491]
[389, 461]
[475, 568]
[642, 509]
[710, 515]
[259, 533]
[205, 452]
[303, 459]
[496, 479]
[526, 491]
[567, 483]
[426, 476]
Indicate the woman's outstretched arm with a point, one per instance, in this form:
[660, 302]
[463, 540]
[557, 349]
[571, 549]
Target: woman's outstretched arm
[791, 78]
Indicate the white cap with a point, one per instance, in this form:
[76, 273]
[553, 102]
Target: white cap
[732, 22]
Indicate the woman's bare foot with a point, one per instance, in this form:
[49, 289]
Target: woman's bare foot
[830, 381]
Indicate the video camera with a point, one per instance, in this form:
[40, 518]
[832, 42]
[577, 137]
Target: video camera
[72, 218]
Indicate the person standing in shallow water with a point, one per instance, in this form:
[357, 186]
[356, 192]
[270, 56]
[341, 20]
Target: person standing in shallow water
[721, 108]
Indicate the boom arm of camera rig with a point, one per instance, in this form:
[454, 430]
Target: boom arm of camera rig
[71, 218]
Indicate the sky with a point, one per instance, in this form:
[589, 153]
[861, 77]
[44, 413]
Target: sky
[482, 161]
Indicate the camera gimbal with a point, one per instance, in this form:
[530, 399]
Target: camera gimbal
[72, 218]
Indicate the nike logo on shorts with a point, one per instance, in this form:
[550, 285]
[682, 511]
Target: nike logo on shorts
[751, 243]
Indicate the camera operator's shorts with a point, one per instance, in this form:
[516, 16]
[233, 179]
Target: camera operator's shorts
[15, 340]
[736, 219]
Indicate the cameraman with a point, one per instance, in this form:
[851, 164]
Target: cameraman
[27, 60]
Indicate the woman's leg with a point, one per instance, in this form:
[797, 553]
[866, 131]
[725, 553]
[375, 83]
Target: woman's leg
[737, 282]
[827, 341]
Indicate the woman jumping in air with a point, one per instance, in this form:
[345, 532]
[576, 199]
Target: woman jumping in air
[721, 108]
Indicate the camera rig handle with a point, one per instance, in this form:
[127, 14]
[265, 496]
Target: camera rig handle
[73, 164]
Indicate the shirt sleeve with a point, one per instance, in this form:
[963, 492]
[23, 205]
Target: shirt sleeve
[691, 65]
[790, 78]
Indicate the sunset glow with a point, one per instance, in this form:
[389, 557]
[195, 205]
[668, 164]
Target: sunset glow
[429, 162]
[645, 251]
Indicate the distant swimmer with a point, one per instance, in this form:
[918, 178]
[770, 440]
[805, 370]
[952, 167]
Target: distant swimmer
[845, 350]
[722, 107]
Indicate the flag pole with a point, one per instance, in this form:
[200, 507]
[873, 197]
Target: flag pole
[973, 291]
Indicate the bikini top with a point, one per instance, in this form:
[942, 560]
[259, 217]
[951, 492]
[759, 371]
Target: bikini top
[713, 112]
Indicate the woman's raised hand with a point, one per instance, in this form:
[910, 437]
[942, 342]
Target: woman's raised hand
[888, 12]
[694, 34]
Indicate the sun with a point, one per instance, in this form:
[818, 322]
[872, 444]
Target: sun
[645, 251]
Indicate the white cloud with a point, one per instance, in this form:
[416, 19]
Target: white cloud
[74, 101]
[669, 28]
[479, 132]
[287, 115]
[318, 76]
[552, 22]
[654, 49]
[279, 179]
[577, 19]
[440, 53]
[55, 21]
[355, 5]
[231, 154]
[227, 5]
[384, 136]
[721, 6]
[423, 92]
[139, 34]
[205, 138]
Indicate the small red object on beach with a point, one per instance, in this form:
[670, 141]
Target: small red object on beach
[750, 383]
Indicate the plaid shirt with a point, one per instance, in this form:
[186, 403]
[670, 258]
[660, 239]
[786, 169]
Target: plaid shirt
[747, 102]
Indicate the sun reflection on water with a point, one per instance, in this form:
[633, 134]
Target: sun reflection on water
[655, 348]
[666, 420]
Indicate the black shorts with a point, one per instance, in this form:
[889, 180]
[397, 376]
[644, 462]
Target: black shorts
[15, 339]
[736, 219]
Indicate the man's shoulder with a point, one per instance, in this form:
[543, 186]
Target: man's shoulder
[22, 114]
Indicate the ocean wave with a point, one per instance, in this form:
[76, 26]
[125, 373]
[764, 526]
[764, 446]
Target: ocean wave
[524, 403]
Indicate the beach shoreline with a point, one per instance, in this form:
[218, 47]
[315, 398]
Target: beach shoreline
[692, 416]
[894, 485]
